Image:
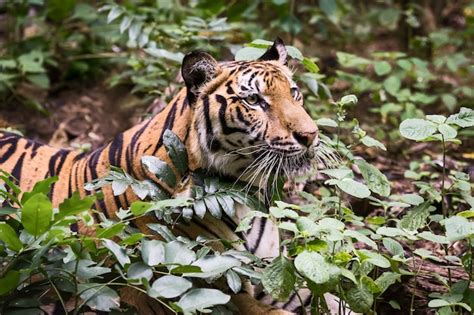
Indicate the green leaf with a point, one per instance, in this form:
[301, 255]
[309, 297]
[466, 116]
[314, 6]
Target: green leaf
[338, 173]
[138, 271]
[169, 287]
[373, 258]
[176, 151]
[227, 204]
[99, 297]
[353, 188]
[9, 281]
[392, 85]
[310, 65]
[375, 179]
[114, 13]
[213, 206]
[314, 267]
[306, 225]
[359, 299]
[382, 67]
[412, 199]
[153, 252]
[416, 217]
[440, 239]
[140, 207]
[360, 237]
[200, 299]
[371, 142]
[176, 252]
[111, 231]
[118, 252]
[43, 186]
[163, 230]
[348, 99]
[185, 269]
[249, 53]
[438, 303]
[86, 269]
[417, 129]
[59, 10]
[326, 122]
[74, 205]
[233, 281]
[279, 278]
[41, 80]
[125, 24]
[9, 237]
[393, 247]
[464, 119]
[200, 208]
[36, 214]
[387, 279]
[161, 169]
[32, 62]
[458, 228]
[450, 101]
[405, 64]
[214, 266]
[447, 131]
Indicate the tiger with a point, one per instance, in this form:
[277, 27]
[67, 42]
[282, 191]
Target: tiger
[239, 119]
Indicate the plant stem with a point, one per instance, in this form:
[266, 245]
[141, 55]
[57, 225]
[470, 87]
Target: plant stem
[443, 178]
[443, 201]
[412, 301]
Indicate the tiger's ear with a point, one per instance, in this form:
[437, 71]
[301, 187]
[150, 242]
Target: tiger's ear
[277, 52]
[197, 69]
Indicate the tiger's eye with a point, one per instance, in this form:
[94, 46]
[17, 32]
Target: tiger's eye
[294, 92]
[252, 99]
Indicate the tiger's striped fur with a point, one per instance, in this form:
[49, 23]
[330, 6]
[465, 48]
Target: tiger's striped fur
[223, 129]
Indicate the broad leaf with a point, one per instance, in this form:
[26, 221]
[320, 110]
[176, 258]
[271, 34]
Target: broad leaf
[375, 179]
[161, 169]
[169, 287]
[416, 217]
[74, 205]
[200, 299]
[359, 299]
[138, 271]
[43, 186]
[118, 252]
[177, 253]
[214, 266]
[153, 252]
[86, 269]
[279, 278]
[9, 281]
[417, 129]
[353, 188]
[233, 281]
[99, 297]
[464, 119]
[9, 237]
[176, 151]
[36, 214]
[314, 267]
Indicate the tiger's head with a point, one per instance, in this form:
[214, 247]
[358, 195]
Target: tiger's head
[248, 115]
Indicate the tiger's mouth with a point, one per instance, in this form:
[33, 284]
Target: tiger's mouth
[267, 163]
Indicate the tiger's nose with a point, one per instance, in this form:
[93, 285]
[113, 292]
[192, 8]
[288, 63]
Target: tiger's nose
[305, 138]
